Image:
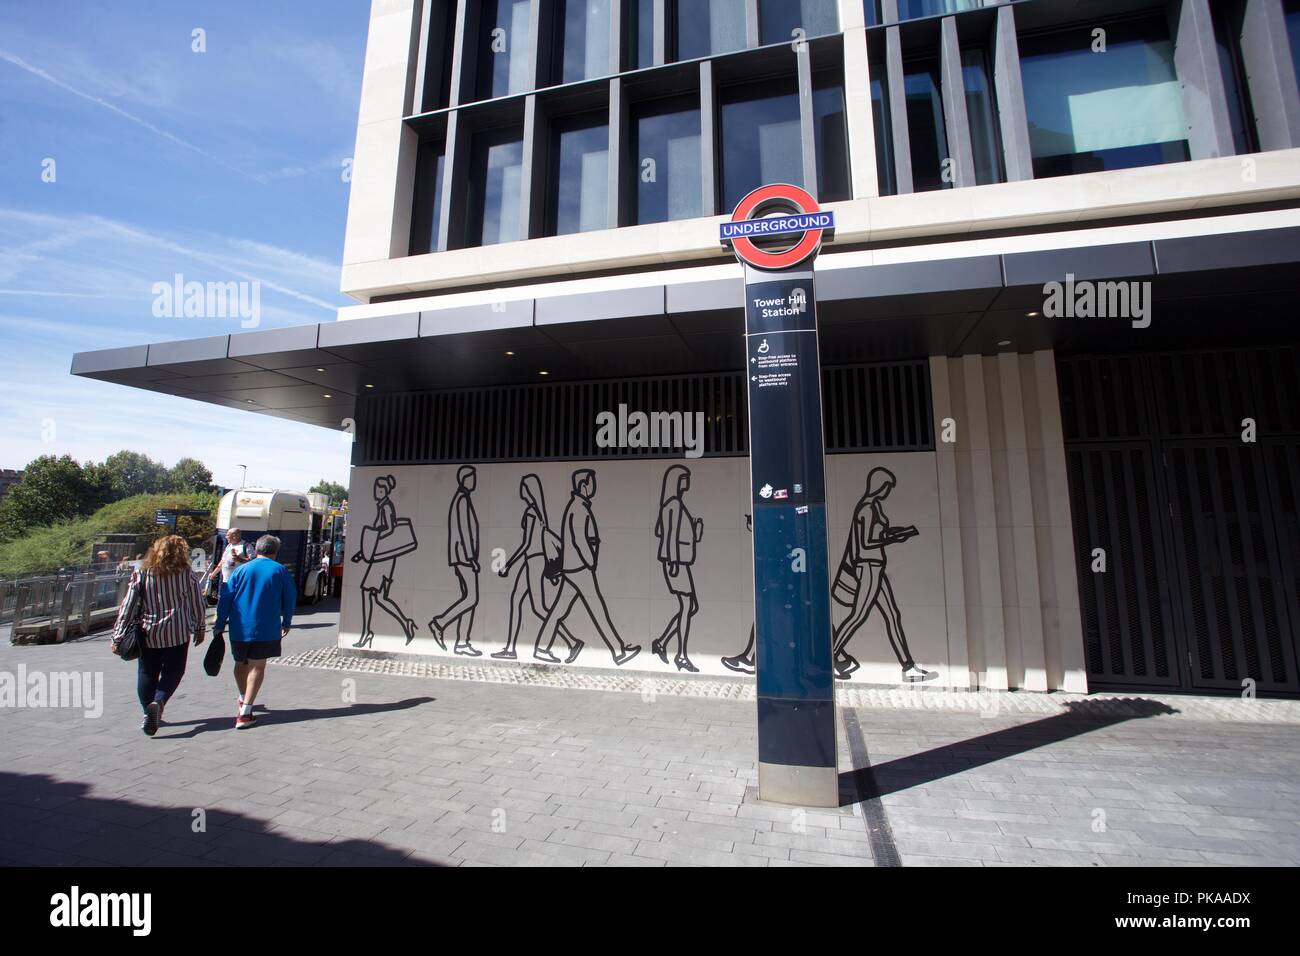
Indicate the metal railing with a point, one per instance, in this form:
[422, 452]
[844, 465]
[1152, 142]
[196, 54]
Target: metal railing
[51, 608]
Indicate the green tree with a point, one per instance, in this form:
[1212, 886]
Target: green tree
[52, 489]
[189, 474]
[131, 473]
[336, 491]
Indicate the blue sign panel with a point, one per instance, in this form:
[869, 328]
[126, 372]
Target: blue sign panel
[776, 226]
[792, 619]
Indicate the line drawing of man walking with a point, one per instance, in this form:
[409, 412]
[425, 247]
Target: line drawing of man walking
[580, 542]
[462, 558]
[862, 585]
[679, 533]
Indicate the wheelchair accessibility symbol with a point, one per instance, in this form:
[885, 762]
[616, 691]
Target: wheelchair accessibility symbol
[762, 348]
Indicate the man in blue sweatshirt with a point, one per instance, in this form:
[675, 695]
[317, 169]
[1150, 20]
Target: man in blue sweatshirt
[258, 601]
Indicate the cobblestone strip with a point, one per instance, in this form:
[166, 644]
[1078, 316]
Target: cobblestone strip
[984, 703]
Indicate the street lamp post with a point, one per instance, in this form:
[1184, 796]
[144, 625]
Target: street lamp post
[244, 478]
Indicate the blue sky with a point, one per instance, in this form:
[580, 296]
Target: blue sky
[222, 165]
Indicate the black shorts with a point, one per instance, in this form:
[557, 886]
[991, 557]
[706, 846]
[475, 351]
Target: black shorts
[245, 651]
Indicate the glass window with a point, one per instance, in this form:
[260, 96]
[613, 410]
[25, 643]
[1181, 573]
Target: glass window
[666, 160]
[778, 19]
[760, 138]
[579, 195]
[831, 136]
[1292, 9]
[1227, 40]
[1090, 111]
[926, 134]
[641, 37]
[704, 27]
[986, 143]
[427, 213]
[584, 39]
[884, 138]
[872, 8]
[911, 9]
[503, 48]
[495, 187]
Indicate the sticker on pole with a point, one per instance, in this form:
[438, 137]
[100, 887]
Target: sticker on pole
[771, 214]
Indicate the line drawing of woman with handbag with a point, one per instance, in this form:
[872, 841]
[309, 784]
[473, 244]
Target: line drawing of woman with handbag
[382, 543]
[538, 578]
[678, 533]
[862, 585]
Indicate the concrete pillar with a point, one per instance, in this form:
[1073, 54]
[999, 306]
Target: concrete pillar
[1196, 60]
[1266, 55]
[1009, 91]
[858, 113]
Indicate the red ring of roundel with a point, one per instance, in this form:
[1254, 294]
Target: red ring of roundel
[744, 246]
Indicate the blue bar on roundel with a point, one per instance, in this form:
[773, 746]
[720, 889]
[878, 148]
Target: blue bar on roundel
[792, 618]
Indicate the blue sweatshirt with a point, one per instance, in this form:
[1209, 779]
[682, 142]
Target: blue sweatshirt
[257, 601]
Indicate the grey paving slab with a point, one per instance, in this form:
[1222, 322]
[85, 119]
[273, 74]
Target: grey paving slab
[480, 766]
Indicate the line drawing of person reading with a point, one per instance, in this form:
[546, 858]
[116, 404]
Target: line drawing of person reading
[862, 585]
[382, 544]
[462, 558]
[743, 663]
[678, 533]
[538, 578]
[580, 552]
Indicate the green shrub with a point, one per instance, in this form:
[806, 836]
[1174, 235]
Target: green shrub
[69, 542]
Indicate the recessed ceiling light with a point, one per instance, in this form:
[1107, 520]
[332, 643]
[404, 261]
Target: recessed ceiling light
[320, 370]
[543, 372]
[1004, 343]
[1030, 315]
[510, 353]
[328, 395]
[368, 385]
[249, 400]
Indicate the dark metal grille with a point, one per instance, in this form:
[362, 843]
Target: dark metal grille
[875, 407]
[1200, 528]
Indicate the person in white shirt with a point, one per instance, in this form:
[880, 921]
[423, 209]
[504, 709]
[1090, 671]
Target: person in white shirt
[237, 552]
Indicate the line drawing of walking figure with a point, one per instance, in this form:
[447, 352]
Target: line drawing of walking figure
[382, 544]
[580, 552]
[862, 585]
[538, 578]
[743, 663]
[678, 533]
[462, 558]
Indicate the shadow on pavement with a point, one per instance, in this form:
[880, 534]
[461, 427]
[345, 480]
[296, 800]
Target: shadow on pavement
[46, 822]
[914, 770]
[268, 718]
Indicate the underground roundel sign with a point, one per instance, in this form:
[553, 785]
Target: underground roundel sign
[776, 227]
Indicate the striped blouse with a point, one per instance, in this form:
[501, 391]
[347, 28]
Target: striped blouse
[171, 609]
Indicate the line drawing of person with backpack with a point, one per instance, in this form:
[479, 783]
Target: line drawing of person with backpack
[678, 533]
[862, 585]
[537, 581]
[381, 545]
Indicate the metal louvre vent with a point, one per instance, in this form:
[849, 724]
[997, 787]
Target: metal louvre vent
[1124, 613]
[1199, 525]
[873, 407]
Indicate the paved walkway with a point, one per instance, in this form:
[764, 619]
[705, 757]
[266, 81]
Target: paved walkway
[353, 767]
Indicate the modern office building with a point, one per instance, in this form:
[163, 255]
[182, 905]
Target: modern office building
[1058, 333]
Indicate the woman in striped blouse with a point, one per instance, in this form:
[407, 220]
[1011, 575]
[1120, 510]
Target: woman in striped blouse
[164, 594]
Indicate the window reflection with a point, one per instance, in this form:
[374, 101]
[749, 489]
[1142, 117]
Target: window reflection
[760, 139]
[666, 160]
[584, 34]
[704, 27]
[778, 19]
[495, 187]
[831, 138]
[986, 143]
[925, 127]
[427, 204]
[1091, 111]
[579, 175]
[503, 48]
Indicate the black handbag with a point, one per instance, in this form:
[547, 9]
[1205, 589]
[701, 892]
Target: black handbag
[215, 655]
[128, 648]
